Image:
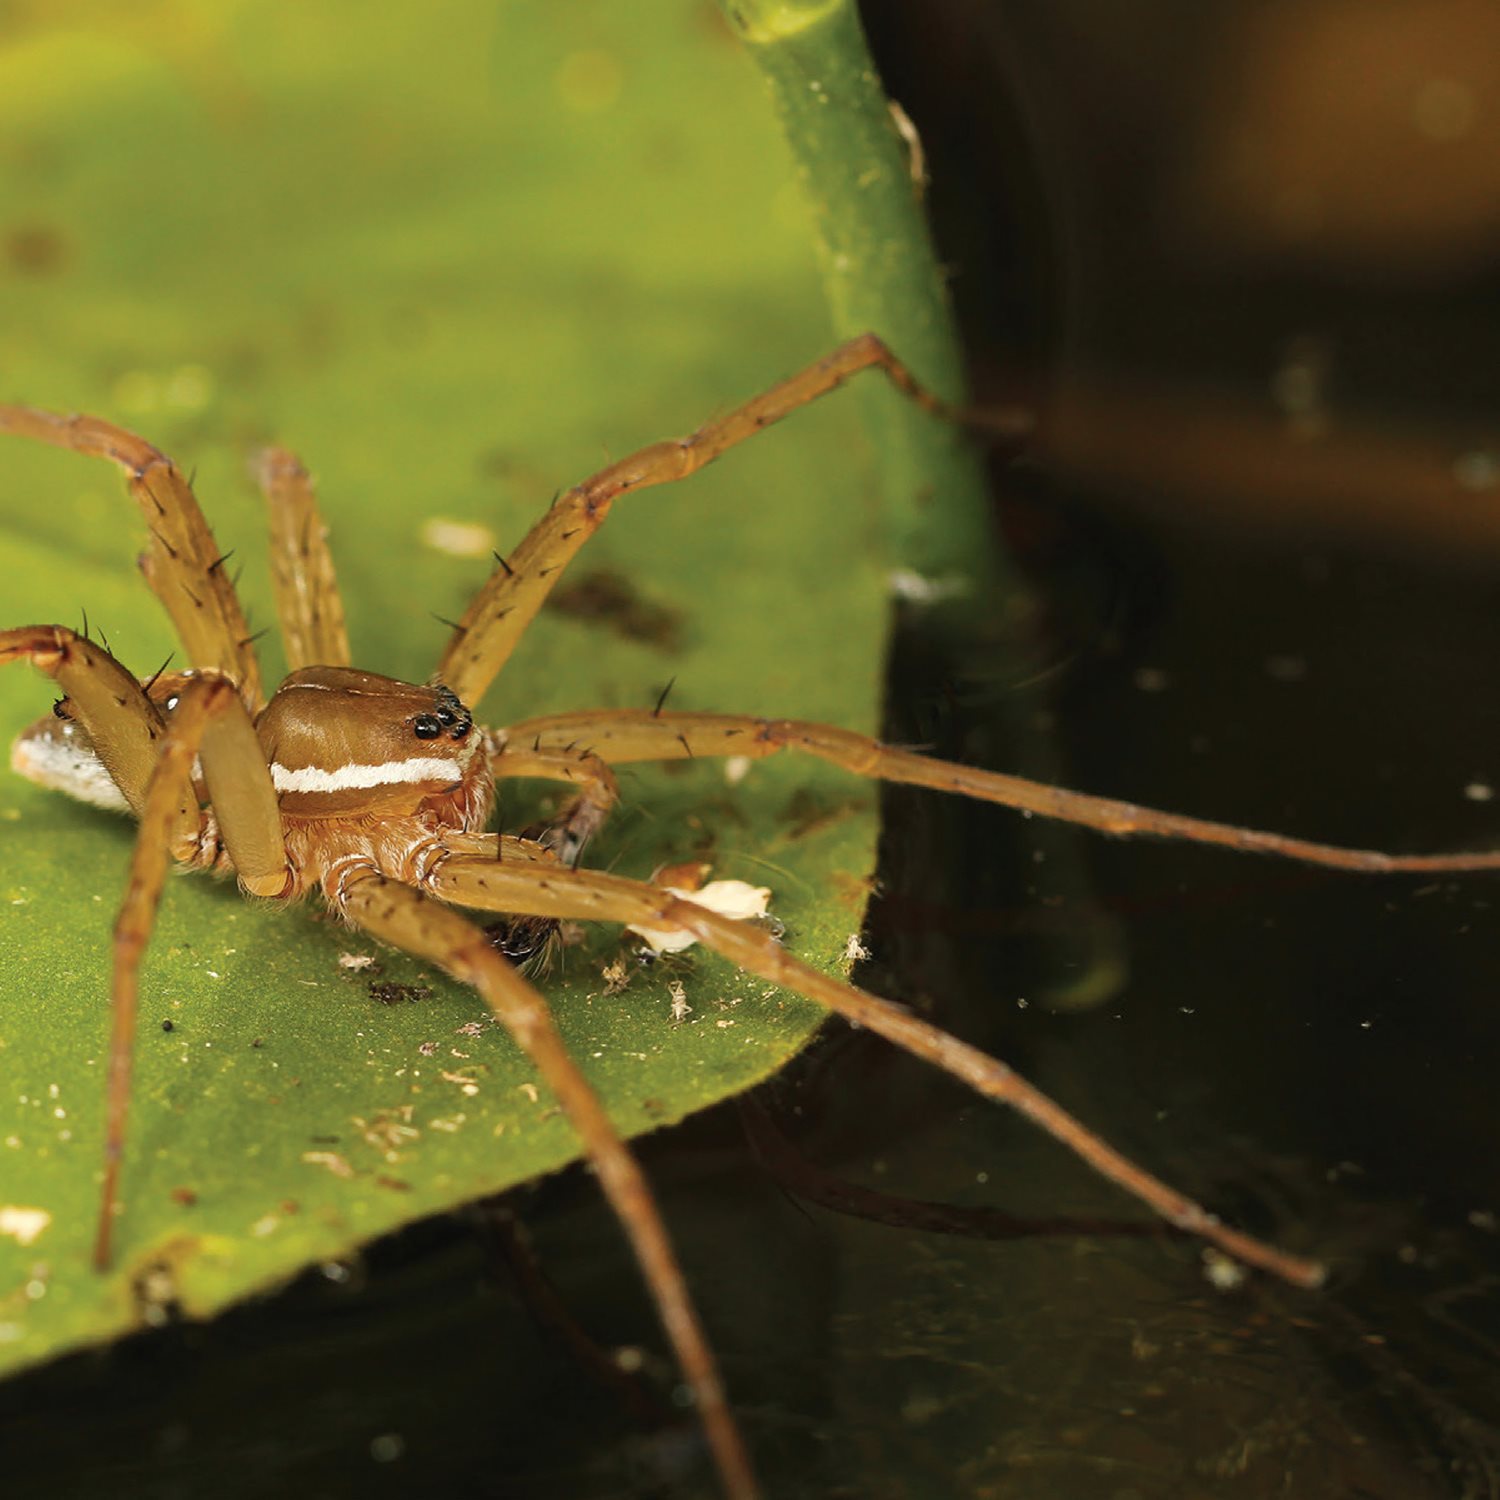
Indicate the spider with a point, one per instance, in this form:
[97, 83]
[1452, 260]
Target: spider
[376, 794]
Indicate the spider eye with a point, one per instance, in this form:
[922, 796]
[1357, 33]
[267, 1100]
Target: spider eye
[452, 714]
[426, 726]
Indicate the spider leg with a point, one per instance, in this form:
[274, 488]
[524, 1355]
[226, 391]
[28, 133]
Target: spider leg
[499, 614]
[618, 736]
[183, 564]
[308, 602]
[210, 722]
[414, 922]
[590, 896]
[584, 814]
[509, 847]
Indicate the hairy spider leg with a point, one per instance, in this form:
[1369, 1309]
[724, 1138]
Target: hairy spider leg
[416, 923]
[620, 736]
[308, 603]
[183, 564]
[211, 725]
[499, 614]
[591, 896]
[585, 812]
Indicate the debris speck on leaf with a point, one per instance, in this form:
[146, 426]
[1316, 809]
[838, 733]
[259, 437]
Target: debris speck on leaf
[335, 1163]
[458, 538]
[387, 992]
[23, 1224]
[855, 951]
[730, 898]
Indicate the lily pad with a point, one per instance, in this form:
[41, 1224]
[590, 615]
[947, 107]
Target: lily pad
[455, 259]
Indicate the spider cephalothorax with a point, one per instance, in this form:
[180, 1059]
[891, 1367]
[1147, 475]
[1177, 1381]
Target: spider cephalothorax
[345, 745]
[377, 793]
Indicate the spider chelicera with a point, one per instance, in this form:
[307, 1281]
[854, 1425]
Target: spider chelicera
[376, 794]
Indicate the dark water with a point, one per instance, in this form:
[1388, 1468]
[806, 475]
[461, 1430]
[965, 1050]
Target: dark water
[1313, 1054]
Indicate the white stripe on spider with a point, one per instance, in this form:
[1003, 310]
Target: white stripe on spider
[352, 776]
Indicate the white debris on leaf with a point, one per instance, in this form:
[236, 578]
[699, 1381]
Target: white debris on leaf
[23, 1224]
[458, 538]
[730, 898]
[335, 1163]
[356, 961]
[855, 951]
[736, 768]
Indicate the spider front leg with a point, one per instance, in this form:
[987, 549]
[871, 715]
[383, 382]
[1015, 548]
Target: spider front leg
[183, 564]
[409, 920]
[499, 614]
[210, 725]
[590, 896]
[620, 736]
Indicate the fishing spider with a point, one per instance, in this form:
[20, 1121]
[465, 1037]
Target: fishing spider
[376, 793]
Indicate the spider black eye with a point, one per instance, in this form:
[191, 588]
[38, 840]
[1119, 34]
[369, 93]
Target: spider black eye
[452, 714]
[426, 726]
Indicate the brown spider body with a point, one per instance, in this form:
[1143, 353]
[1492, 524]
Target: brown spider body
[370, 772]
[367, 769]
[377, 792]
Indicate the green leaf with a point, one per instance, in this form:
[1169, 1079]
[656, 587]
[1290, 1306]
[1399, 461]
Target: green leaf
[455, 260]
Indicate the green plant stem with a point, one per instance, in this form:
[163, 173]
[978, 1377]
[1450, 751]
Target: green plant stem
[881, 273]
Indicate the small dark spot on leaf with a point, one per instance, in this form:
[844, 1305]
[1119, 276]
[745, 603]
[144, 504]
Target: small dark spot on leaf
[807, 812]
[610, 599]
[387, 992]
[185, 1196]
[35, 249]
[168, 1026]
